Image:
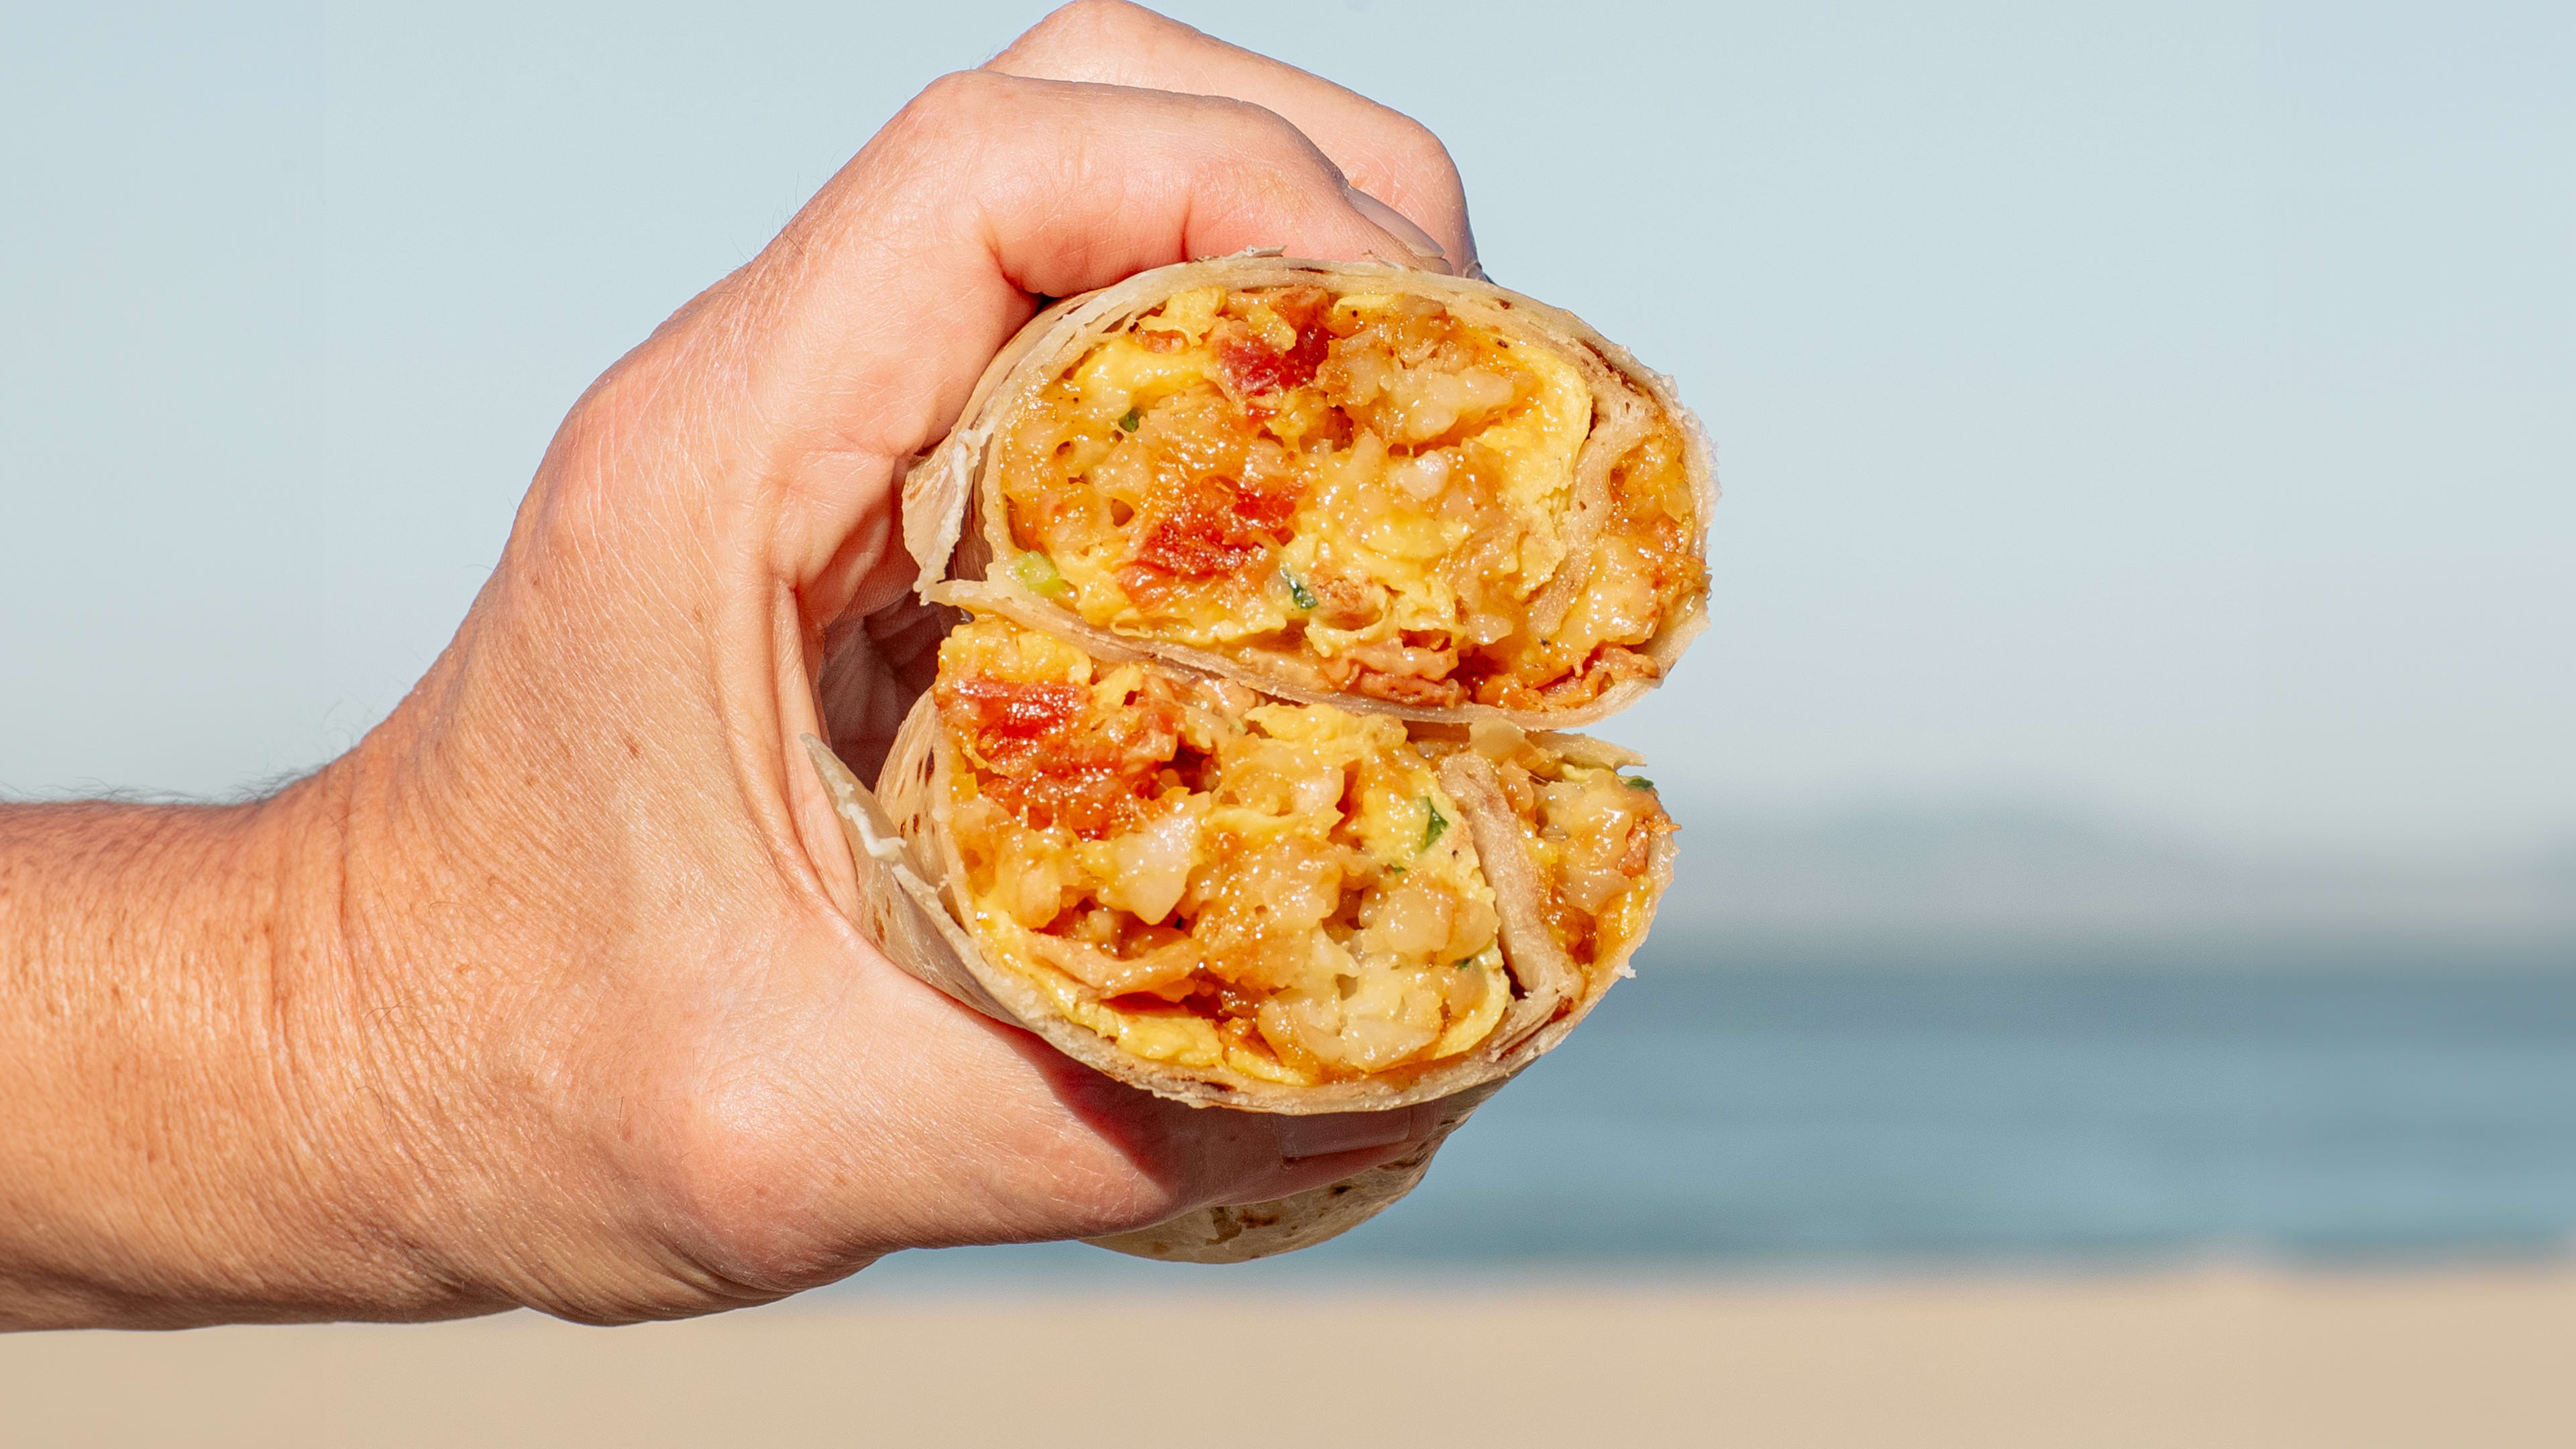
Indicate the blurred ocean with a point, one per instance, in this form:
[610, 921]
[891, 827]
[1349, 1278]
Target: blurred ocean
[1803, 1103]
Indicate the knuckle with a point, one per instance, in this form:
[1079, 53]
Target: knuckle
[1259, 140]
[954, 115]
[1089, 24]
[1414, 151]
[958, 96]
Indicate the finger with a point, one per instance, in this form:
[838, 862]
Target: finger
[1324, 1150]
[1427, 251]
[1387, 155]
[1280, 1155]
[1308, 1173]
[1303, 1139]
[1159, 1159]
[969, 1131]
[871, 316]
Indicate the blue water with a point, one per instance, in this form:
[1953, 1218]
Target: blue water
[1797, 1107]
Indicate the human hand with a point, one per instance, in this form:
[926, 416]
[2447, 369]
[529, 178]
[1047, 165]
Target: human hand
[560, 1002]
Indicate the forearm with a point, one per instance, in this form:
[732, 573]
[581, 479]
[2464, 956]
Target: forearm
[174, 1126]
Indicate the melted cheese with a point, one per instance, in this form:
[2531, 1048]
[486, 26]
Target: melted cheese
[1121, 374]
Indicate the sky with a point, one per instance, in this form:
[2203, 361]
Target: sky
[2169, 412]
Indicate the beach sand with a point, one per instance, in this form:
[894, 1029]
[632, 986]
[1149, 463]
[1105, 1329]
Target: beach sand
[2211, 1357]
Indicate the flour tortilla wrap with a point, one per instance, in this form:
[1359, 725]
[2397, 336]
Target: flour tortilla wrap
[956, 522]
[911, 881]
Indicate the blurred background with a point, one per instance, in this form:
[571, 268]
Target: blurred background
[2129, 803]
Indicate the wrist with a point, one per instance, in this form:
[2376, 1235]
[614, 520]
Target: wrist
[179, 1142]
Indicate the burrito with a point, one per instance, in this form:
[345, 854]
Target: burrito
[1231, 899]
[1342, 483]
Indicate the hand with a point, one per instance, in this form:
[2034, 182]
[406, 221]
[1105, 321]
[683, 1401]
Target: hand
[547, 992]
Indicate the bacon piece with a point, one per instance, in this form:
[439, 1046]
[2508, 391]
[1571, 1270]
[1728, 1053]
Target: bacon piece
[1301, 307]
[1268, 509]
[1615, 662]
[1013, 708]
[1248, 364]
[1200, 539]
[1053, 761]
[1641, 842]
[1221, 527]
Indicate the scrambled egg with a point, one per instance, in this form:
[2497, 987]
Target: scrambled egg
[1366, 513]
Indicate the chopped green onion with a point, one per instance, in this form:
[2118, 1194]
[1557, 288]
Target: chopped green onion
[1297, 590]
[1037, 573]
[1462, 965]
[1639, 782]
[1129, 423]
[1433, 823]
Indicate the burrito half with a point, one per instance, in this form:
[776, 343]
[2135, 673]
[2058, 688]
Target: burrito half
[1411, 493]
[1233, 900]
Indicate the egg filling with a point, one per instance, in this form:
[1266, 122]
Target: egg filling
[1284, 891]
[1366, 487]
[1590, 830]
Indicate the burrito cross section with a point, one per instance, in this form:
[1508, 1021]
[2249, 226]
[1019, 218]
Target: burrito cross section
[1363, 493]
[1270, 588]
[1260, 889]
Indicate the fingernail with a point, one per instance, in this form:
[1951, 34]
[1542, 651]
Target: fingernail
[1352, 1131]
[1394, 223]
